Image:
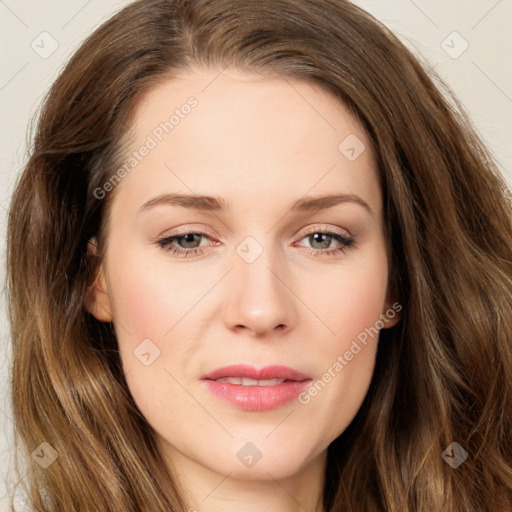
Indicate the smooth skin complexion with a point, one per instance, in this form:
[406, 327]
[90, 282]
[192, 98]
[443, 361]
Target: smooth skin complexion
[261, 144]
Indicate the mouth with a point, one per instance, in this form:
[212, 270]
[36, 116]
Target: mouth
[247, 388]
[244, 381]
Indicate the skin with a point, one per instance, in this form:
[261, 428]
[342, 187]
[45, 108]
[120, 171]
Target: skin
[261, 144]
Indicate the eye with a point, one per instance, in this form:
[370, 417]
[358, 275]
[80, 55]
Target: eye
[320, 241]
[189, 243]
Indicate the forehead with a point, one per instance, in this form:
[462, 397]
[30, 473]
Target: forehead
[234, 134]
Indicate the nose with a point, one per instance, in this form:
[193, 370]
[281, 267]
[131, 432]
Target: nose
[260, 298]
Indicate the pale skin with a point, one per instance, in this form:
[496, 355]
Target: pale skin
[261, 144]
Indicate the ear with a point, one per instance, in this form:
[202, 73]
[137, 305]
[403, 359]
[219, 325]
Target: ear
[391, 314]
[98, 301]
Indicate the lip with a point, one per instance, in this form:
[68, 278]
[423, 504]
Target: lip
[256, 398]
[267, 372]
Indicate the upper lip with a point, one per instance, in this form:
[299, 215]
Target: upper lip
[267, 372]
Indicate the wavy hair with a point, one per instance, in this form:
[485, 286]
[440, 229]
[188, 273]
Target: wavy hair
[443, 374]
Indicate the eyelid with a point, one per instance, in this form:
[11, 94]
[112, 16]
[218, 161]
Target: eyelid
[185, 231]
[318, 228]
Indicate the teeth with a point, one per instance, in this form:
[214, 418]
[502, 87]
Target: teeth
[242, 381]
[270, 382]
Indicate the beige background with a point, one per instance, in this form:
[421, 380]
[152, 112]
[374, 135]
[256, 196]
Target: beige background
[39, 36]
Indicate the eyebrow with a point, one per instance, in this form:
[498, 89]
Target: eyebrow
[216, 203]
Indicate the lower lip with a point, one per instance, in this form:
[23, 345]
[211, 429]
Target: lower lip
[257, 398]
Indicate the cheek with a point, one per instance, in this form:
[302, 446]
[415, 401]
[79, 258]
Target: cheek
[351, 299]
[149, 299]
[352, 311]
[146, 305]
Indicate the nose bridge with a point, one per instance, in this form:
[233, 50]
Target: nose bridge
[257, 261]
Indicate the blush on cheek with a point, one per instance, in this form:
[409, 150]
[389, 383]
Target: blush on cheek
[138, 301]
[354, 309]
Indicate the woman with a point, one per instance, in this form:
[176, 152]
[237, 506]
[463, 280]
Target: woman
[260, 370]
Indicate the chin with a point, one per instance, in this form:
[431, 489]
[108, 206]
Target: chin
[263, 470]
[262, 461]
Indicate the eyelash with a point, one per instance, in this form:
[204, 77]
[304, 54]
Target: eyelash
[346, 241]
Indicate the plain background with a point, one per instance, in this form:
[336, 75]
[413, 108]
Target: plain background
[468, 42]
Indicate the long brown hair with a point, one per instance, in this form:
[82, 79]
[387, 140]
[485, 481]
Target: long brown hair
[443, 373]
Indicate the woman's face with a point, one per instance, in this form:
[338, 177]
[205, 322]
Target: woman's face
[262, 167]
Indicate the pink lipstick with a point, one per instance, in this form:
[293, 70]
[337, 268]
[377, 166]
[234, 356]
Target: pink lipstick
[250, 389]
